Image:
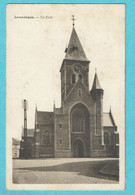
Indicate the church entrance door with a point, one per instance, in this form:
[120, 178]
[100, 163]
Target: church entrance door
[78, 149]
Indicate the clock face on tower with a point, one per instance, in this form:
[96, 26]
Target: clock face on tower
[76, 68]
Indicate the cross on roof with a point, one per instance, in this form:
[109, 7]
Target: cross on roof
[73, 19]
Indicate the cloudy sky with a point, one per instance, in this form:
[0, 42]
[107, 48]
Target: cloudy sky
[35, 50]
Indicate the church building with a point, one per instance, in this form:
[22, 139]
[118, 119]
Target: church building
[79, 128]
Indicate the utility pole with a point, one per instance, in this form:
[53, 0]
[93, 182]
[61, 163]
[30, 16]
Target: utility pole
[25, 152]
[25, 120]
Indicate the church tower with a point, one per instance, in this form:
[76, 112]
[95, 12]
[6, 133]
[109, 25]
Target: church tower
[74, 121]
[75, 66]
[82, 109]
[97, 94]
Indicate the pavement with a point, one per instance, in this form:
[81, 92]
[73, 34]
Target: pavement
[63, 171]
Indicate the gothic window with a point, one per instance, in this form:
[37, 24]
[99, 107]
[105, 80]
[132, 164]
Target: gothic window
[73, 79]
[80, 92]
[60, 141]
[80, 77]
[106, 138]
[78, 121]
[46, 138]
[60, 125]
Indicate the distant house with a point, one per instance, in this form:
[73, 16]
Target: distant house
[15, 148]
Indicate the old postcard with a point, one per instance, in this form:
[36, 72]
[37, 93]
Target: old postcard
[65, 97]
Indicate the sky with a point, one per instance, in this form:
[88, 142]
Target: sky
[35, 51]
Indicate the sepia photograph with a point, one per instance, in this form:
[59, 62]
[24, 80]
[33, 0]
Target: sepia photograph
[65, 96]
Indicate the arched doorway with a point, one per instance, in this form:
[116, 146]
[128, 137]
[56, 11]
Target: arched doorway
[78, 149]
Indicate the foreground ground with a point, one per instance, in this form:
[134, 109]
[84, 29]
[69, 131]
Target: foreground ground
[73, 170]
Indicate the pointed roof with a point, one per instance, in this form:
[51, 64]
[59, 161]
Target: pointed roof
[75, 50]
[96, 84]
[107, 121]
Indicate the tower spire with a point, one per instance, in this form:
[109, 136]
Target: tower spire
[73, 19]
[96, 84]
[75, 50]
